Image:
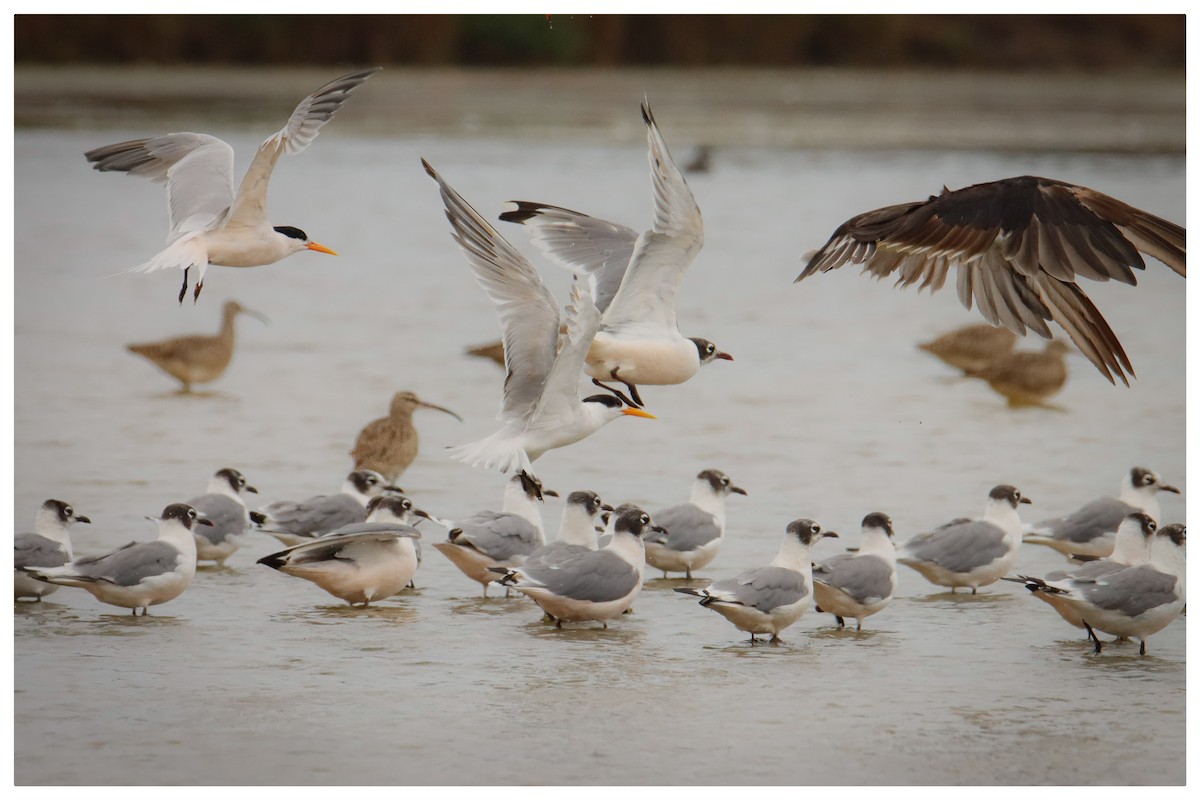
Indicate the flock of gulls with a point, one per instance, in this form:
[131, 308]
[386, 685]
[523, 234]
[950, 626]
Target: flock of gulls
[1016, 248]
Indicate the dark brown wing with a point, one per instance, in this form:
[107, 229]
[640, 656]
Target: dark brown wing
[1018, 245]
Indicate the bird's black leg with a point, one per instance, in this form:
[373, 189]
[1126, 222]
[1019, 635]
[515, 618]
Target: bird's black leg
[196, 292]
[1142, 649]
[624, 398]
[183, 289]
[841, 622]
[1093, 635]
[633, 392]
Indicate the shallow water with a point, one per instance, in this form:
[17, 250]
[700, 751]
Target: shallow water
[828, 412]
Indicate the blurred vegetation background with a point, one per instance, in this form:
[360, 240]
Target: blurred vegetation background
[980, 42]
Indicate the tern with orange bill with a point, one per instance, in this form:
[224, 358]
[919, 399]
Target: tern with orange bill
[209, 223]
[542, 407]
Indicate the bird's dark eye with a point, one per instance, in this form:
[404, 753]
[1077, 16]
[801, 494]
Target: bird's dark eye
[711, 347]
[1152, 526]
[371, 481]
[406, 504]
[645, 519]
[724, 481]
[816, 528]
[192, 513]
[68, 511]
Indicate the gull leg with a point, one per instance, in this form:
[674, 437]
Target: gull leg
[688, 572]
[183, 289]
[624, 398]
[196, 291]
[1142, 649]
[633, 392]
[841, 622]
[859, 628]
[974, 589]
[1093, 635]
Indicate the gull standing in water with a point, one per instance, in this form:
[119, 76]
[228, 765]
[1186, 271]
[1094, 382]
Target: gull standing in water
[48, 546]
[596, 585]
[968, 552]
[769, 599]
[224, 507]
[389, 444]
[140, 574]
[198, 358]
[1018, 246]
[576, 532]
[542, 408]
[859, 584]
[296, 522]
[694, 529]
[209, 223]
[1134, 602]
[1132, 548]
[498, 539]
[1091, 530]
[362, 562]
[634, 277]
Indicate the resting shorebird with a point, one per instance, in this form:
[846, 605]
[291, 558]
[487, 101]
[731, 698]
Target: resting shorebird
[389, 444]
[199, 358]
[862, 583]
[967, 552]
[1091, 530]
[542, 407]
[140, 574]
[209, 223]
[972, 347]
[769, 599]
[295, 522]
[1026, 378]
[48, 546]
[1017, 245]
[223, 506]
[694, 529]
[634, 277]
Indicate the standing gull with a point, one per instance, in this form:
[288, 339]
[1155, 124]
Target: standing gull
[969, 552]
[140, 574]
[199, 358]
[1134, 602]
[224, 507]
[634, 277]
[296, 522]
[542, 407]
[1091, 529]
[498, 539]
[972, 347]
[695, 528]
[389, 444]
[209, 223]
[576, 532]
[48, 546]
[859, 584]
[1132, 548]
[769, 599]
[596, 585]
[362, 562]
[1018, 246]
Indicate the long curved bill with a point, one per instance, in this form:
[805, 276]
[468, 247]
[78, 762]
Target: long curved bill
[637, 412]
[320, 248]
[439, 408]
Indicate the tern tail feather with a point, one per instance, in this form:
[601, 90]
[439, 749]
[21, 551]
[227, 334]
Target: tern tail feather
[500, 451]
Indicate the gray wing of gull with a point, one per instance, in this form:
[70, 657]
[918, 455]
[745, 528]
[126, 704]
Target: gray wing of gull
[35, 550]
[553, 555]
[688, 527]
[334, 546]
[961, 547]
[500, 536]
[528, 313]
[585, 245]
[863, 577]
[595, 575]
[227, 515]
[131, 564]
[1089, 571]
[765, 588]
[1089, 522]
[375, 527]
[314, 516]
[1131, 591]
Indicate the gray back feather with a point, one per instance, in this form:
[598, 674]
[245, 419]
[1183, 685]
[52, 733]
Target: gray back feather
[35, 550]
[594, 575]
[131, 564]
[228, 517]
[499, 535]
[553, 555]
[961, 547]
[316, 515]
[1131, 591]
[765, 588]
[688, 527]
[1094, 519]
[863, 577]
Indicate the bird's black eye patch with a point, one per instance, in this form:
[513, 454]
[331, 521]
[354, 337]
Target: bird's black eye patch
[604, 400]
[294, 233]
